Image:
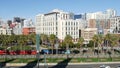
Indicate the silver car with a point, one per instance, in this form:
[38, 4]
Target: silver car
[105, 66]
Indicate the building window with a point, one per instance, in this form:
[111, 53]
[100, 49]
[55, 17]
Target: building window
[68, 23]
[56, 28]
[74, 23]
[69, 28]
[76, 28]
[66, 33]
[71, 23]
[76, 33]
[56, 33]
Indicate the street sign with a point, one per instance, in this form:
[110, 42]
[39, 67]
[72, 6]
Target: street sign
[37, 42]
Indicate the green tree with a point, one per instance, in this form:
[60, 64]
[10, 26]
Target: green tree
[43, 37]
[108, 39]
[32, 38]
[80, 41]
[52, 40]
[95, 37]
[67, 40]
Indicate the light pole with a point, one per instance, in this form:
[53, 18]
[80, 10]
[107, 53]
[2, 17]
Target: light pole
[38, 47]
[45, 61]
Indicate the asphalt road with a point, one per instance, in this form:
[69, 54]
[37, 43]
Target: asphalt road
[112, 65]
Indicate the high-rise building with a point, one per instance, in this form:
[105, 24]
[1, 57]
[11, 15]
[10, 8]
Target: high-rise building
[59, 23]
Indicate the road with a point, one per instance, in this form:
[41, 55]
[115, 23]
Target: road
[112, 65]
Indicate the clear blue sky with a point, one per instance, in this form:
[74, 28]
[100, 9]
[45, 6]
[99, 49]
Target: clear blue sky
[30, 8]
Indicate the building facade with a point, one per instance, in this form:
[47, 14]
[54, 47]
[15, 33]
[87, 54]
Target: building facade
[115, 24]
[59, 23]
[28, 30]
[88, 33]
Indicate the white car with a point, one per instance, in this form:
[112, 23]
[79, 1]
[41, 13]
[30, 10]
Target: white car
[104, 66]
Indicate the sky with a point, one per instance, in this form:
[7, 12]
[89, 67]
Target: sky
[30, 8]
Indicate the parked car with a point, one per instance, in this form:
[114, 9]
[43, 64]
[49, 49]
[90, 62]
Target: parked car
[2, 52]
[33, 52]
[45, 51]
[105, 66]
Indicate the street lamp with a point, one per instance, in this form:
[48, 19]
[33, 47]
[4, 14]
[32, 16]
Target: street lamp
[38, 47]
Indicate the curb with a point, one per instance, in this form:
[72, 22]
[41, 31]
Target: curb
[81, 63]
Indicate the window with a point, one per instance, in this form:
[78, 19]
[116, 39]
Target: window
[71, 23]
[71, 33]
[74, 23]
[56, 28]
[56, 33]
[76, 28]
[66, 23]
[69, 28]
[66, 28]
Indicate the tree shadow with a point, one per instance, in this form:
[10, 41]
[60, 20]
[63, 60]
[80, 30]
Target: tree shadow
[3, 64]
[62, 64]
[31, 64]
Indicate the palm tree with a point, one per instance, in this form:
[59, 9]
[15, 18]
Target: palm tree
[52, 40]
[80, 41]
[94, 38]
[67, 40]
[98, 39]
[107, 39]
[43, 37]
[114, 40]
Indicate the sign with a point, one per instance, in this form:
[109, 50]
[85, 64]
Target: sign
[37, 42]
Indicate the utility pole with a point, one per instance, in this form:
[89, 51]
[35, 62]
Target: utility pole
[38, 48]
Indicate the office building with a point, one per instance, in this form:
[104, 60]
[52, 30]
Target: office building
[59, 23]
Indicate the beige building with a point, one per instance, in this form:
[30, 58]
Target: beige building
[88, 33]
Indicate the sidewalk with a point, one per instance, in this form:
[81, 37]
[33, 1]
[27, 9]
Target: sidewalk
[81, 63]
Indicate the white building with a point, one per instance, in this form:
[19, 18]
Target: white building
[59, 23]
[28, 23]
[115, 24]
[101, 15]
